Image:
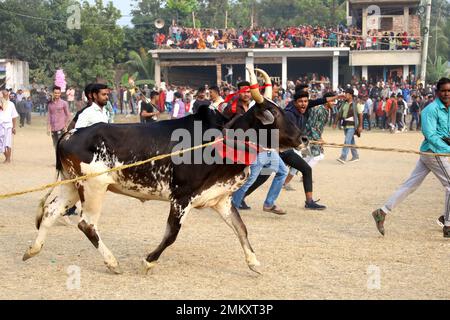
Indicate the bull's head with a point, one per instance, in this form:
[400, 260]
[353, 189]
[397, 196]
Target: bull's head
[270, 115]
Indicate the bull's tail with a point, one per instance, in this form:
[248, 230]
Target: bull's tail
[40, 212]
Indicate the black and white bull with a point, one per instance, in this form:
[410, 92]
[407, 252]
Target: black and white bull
[186, 186]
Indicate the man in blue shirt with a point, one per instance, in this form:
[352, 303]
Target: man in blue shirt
[436, 129]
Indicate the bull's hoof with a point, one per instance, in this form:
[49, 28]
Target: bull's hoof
[29, 254]
[147, 266]
[254, 268]
[115, 269]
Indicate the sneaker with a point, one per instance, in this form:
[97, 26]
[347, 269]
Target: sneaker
[313, 205]
[275, 209]
[340, 160]
[440, 221]
[244, 206]
[353, 160]
[379, 216]
[288, 187]
[446, 231]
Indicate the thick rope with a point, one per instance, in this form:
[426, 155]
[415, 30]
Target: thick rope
[139, 163]
[338, 145]
[95, 174]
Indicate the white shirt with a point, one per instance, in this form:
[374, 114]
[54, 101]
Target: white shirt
[210, 38]
[7, 115]
[215, 104]
[176, 109]
[92, 115]
[139, 107]
[169, 96]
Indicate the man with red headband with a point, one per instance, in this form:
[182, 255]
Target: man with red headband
[267, 161]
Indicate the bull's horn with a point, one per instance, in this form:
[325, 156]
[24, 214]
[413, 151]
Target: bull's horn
[256, 95]
[268, 82]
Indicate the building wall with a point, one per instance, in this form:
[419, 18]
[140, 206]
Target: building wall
[414, 25]
[17, 74]
[385, 58]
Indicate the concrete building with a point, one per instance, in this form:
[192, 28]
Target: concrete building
[199, 67]
[14, 74]
[183, 66]
[395, 16]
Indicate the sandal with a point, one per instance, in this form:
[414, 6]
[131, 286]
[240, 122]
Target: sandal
[275, 209]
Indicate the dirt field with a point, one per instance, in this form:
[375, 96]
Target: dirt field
[334, 254]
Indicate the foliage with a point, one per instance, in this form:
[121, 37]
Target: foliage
[436, 69]
[142, 64]
[86, 55]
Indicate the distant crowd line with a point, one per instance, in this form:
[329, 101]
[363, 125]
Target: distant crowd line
[304, 36]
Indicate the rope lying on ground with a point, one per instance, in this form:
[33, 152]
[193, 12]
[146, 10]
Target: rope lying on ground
[163, 156]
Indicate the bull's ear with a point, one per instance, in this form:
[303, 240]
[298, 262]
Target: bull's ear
[265, 116]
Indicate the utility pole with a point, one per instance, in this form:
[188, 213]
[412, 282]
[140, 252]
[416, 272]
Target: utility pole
[252, 18]
[226, 19]
[423, 68]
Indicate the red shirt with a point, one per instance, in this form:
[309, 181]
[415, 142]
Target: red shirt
[162, 101]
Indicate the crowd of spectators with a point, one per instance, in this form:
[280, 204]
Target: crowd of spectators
[291, 37]
[387, 104]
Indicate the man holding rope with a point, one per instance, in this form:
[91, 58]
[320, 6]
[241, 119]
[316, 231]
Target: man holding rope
[436, 129]
[266, 162]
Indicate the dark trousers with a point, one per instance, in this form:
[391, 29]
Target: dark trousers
[292, 159]
[55, 137]
[22, 116]
[366, 116]
[399, 120]
[25, 116]
[415, 117]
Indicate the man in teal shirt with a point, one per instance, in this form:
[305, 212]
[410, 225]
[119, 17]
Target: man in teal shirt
[436, 129]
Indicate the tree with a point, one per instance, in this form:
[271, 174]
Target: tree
[144, 15]
[181, 9]
[142, 64]
[94, 57]
[436, 69]
[439, 33]
[40, 36]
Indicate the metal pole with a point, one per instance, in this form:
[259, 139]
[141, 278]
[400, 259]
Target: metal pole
[193, 19]
[251, 20]
[423, 67]
[226, 19]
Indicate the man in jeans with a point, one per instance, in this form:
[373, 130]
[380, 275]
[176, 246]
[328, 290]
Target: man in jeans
[58, 116]
[352, 113]
[436, 129]
[266, 162]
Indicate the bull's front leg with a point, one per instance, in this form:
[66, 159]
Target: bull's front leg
[231, 216]
[92, 194]
[172, 228]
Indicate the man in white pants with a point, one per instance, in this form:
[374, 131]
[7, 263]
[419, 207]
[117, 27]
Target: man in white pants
[436, 129]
